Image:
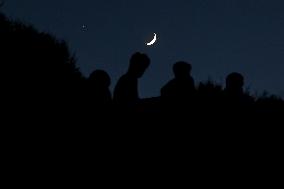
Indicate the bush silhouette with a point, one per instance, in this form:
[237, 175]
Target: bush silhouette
[35, 58]
[38, 70]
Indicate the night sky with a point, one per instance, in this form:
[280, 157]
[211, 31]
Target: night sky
[216, 36]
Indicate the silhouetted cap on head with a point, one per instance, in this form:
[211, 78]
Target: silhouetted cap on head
[139, 62]
[100, 78]
[182, 69]
[234, 82]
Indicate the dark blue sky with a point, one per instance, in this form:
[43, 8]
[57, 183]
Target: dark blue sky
[216, 36]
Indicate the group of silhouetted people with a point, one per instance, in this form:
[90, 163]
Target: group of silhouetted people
[180, 89]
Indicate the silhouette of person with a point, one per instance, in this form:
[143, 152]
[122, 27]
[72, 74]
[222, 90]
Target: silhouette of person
[234, 93]
[126, 89]
[182, 86]
[99, 93]
[234, 84]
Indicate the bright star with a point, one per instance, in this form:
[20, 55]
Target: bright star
[84, 27]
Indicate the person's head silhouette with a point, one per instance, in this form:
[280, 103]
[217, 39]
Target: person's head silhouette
[235, 83]
[100, 78]
[98, 91]
[138, 64]
[182, 70]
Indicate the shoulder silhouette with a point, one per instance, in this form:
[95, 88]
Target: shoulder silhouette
[126, 90]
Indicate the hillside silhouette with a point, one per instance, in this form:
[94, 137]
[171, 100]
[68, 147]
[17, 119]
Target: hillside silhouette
[57, 123]
[41, 79]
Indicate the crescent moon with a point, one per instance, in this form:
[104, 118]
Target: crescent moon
[153, 40]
